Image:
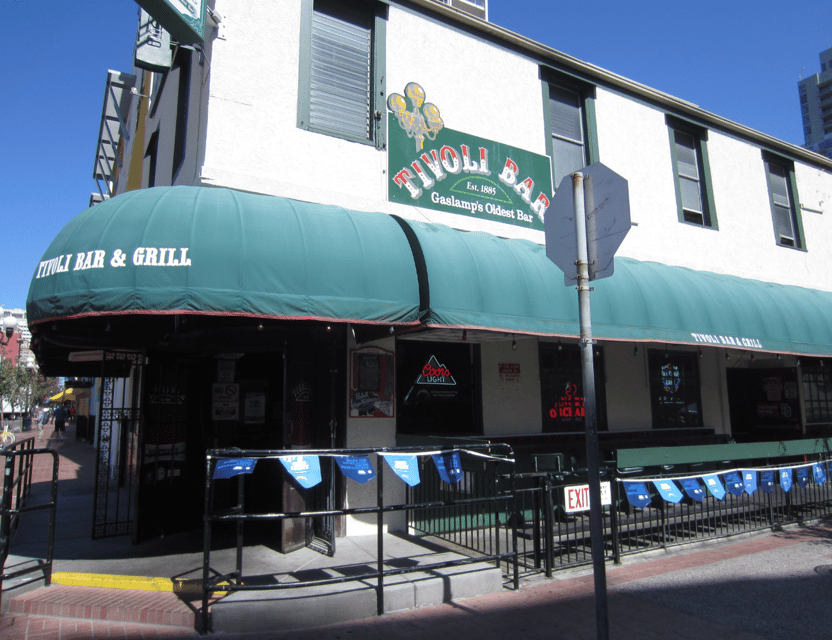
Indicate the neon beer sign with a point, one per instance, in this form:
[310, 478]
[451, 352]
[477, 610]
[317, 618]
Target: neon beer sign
[570, 406]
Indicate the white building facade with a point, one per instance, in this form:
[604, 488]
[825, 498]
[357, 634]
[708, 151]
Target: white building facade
[462, 131]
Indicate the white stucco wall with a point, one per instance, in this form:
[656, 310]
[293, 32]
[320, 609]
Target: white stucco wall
[253, 143]
[511, 405]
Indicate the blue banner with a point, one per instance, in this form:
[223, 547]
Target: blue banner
[669, 490]
[406, 467]
[803, 477]
[305, 469]
[819, 473]
[749, 480]
[714, 485]
[693, 489]
[448, 466]
[733, 483]
[767, 481]
[637, 494]
[230, 467]
[786, 479]
[356, 468]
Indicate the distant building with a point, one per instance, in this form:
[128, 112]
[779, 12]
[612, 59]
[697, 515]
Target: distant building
[18, 347]
[816, 107]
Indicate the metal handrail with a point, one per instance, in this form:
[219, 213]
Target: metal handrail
[234, 580]
[17, 489]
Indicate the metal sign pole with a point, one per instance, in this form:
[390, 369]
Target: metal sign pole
[596, 527]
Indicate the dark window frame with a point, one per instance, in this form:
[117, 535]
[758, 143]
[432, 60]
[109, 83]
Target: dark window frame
[699, 135]
[772, 164]
[585, 92]
[561, 365]
[817, 402]
[665, 414]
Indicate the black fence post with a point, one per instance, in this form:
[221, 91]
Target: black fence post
[206, 547]
[380, 535]
[548, 523]
[616, 545]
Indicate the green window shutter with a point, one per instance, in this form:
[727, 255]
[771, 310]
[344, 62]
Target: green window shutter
[340, 77]
[566, 124]
[788, 231]
[691, 173]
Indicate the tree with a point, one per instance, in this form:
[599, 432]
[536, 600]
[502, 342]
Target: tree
[24, 387]
[8, 384]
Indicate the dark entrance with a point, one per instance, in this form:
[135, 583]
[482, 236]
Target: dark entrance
[117, 443]
[764, 404]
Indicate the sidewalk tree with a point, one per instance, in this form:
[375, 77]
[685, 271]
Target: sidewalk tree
[24, 387]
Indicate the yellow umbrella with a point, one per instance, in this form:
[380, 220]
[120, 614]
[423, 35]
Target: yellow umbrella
[70, 394]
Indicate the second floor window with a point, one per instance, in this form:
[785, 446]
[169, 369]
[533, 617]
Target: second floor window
[784, 213]
[691, 174]
[570, 124]
[341, 55]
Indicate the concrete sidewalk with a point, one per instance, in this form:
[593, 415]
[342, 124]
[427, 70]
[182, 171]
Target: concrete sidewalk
[768, 585]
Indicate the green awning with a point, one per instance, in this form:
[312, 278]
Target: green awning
[223, 252]
[478, 281]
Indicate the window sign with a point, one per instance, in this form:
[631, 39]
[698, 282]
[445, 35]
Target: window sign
[570, 407]
[371, 384]
[434, 373]
[225, 401]
[438, 168]
[674, 389]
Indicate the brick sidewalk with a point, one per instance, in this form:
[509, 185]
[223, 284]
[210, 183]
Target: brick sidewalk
[559, 609]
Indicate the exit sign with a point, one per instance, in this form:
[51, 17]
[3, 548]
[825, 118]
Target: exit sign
[576, 498]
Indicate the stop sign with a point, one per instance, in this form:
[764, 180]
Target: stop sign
[607, 203]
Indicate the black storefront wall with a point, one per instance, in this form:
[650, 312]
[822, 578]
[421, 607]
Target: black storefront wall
[764, 404]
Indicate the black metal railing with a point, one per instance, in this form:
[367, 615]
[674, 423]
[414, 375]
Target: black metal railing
[18, 473]
[471, 506]
[552, 536]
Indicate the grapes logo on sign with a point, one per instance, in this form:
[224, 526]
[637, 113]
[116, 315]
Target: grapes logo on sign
[435, 373]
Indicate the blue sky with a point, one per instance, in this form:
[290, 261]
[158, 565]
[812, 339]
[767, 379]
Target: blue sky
[740, 59]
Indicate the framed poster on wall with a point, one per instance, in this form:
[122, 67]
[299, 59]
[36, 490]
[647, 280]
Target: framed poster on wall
[371, 383]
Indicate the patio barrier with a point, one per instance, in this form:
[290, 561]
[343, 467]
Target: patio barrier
[715, 491]
[18, 466]
[484, 511]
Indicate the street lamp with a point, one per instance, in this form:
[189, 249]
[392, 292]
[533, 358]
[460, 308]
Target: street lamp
[9, 325]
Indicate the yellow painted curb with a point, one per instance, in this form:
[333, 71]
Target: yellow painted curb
[105, 581]
[134, 583]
